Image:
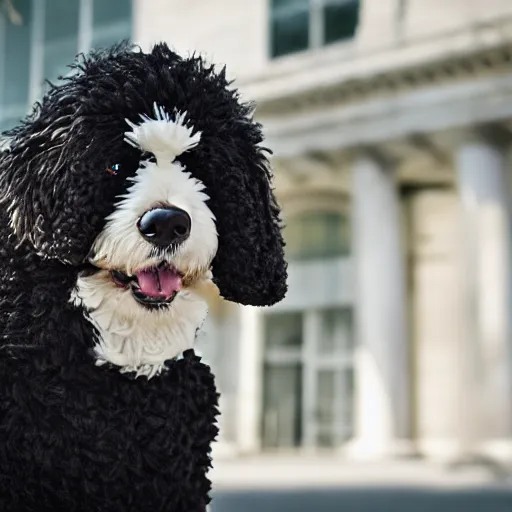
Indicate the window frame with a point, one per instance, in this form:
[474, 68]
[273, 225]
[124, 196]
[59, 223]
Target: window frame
[316, 28]
[37, 48]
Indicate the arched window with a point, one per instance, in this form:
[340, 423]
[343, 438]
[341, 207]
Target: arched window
[317, 235]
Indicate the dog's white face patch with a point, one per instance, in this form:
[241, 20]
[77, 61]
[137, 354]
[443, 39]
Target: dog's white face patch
[132, 336]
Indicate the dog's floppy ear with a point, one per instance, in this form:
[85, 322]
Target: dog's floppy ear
[55, 190]
[249, 267]
[49, 207]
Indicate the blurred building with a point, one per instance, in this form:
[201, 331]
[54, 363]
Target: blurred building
[390, 122]
[39, 38]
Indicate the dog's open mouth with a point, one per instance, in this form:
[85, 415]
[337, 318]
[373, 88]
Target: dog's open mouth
[152, 287]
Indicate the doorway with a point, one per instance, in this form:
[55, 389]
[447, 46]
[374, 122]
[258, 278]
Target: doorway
[308, 379]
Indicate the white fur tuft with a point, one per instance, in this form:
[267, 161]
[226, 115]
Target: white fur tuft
[164, 137]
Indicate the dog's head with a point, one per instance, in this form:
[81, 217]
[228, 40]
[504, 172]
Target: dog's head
[148, 167]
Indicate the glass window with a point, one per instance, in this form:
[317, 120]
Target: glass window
[58, 24]
[282, 383]
[60, 37]
[340, 19]
[308, 399]
[289, 26]
[317, 235]
[335, 386]
[14, 89]
[336, 332]
[112, 22]
[282, 406]
[283, 330]
[17, 57]
[347, 413]
[326, 405]
[292, 23]
[334, 400]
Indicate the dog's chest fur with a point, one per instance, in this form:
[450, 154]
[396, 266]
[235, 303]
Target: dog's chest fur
[84, 434]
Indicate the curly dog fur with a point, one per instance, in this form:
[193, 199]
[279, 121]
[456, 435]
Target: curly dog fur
[94, 417]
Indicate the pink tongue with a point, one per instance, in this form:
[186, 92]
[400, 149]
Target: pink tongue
[159, 282]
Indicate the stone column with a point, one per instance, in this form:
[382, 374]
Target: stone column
[486, 386]
[249, 399]
[383, 385]
[219, 343]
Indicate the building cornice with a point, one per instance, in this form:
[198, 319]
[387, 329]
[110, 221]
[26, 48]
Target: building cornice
[448, 70]
[454, 105]
[354, 59]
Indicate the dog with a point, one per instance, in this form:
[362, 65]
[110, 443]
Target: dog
[136, 185]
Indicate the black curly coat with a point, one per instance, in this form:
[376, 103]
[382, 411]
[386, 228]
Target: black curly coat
[74, 436]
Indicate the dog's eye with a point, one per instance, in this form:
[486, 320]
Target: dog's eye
[114, 169]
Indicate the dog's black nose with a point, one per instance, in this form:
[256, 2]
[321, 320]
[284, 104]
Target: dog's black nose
[165, 226]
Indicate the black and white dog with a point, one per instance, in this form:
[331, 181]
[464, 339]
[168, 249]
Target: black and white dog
[135, 184]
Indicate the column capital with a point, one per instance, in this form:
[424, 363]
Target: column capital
[493, 135]
[376, 154]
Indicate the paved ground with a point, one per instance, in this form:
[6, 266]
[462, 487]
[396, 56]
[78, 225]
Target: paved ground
[301, 471]
[362, 499]
[302, 484]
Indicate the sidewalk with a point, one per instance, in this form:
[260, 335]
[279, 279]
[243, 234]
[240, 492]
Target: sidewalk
[302, 471]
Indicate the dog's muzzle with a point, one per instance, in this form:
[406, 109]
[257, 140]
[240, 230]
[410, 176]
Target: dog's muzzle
[164, 227]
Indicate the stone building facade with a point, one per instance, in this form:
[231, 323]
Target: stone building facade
[390, 130]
